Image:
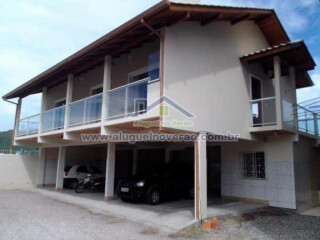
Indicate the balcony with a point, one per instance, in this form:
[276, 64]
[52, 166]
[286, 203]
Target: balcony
[85, 111]
[53, 119]
[127, 100]
[28, 126]
[295, 118]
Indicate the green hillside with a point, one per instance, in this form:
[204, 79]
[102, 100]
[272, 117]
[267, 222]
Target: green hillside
[5, 141]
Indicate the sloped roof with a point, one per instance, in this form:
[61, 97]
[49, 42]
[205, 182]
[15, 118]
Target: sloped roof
[134, 33]
[293, 53]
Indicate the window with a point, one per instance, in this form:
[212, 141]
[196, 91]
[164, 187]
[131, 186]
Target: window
[152, 70]
[96, 90]
[254, 165]
[60, 102]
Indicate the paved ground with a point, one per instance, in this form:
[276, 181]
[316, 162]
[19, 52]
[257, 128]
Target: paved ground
[30, 215]
[173, 215]
[313, 212]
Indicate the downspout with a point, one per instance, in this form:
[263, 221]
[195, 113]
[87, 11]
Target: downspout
[161, 65]
[14, 124]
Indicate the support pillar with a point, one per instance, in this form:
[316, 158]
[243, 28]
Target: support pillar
[200, 147]
[292, 77]
[106, 86]
[18, 113]
[41, 167]
[60, 168]
[42, 109]
[68, 100]
[110, 169]
[277, 85]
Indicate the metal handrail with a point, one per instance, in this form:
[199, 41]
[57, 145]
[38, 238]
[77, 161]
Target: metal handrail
[54, 109]
[29, 117]
[83, 99]
[130, 84]
[261, 99]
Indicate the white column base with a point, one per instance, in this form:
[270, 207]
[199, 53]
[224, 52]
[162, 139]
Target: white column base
[110, 169]
[60, 168]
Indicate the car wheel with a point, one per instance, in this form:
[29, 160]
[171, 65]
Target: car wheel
[191, 193]
[153, 197]
[73, 184]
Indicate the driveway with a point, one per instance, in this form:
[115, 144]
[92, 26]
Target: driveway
[172, 215]
[31, 215]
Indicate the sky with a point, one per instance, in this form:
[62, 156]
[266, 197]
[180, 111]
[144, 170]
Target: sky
[36, 34]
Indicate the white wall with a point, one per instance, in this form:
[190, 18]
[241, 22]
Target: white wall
[202, 68]
[18, 171]
[278, 188]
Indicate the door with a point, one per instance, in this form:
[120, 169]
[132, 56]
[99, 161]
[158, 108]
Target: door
[256, 94]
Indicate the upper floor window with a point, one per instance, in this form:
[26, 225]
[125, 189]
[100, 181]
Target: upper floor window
[254, 165]
[60, 103]
[96, 90]
[151, 71]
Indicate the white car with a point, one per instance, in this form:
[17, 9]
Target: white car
[73, 173]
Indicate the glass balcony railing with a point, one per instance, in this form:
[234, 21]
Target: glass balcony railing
[306, 120]
[288, 114]
[28, 126]
[263, 112]
[53, 119]
[85, 111]
[127, 100]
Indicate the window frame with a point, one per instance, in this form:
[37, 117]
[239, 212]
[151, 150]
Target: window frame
[94, 88]
[60, 100]
[243, 166]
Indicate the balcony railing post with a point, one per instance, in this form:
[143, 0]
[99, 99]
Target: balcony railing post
[126, 101]
[84, 111]
[316, 127]
[306, 120]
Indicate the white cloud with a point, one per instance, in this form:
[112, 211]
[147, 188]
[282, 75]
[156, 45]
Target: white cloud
[36, 34]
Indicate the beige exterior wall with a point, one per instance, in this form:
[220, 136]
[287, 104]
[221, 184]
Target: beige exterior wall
[136, 59]
[203, 62]
[307, 173]
[54, 94]
[83, 83]
[18, 171]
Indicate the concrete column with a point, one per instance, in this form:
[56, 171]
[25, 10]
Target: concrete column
[43, 108]
[111, 155]
[106, 87]
[40, 167]
[18, 113]
[60, 168]
[277, 85]
[292, 77]
[200, 147]
[68, 100]
[134, 163]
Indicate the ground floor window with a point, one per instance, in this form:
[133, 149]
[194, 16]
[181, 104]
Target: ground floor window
[254, 165]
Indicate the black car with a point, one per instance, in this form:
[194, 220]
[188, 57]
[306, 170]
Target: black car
[156, 183]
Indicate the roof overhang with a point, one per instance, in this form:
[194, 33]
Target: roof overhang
[133, 33]
[292, 54]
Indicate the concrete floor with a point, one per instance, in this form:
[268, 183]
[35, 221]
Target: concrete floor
[173, 215]
[315, 212]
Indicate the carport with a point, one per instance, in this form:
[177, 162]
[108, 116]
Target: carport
[122, 160]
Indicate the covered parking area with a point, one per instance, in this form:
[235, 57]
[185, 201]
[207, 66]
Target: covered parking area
[122, 160]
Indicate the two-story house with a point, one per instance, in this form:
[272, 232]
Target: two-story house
[235, 70]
